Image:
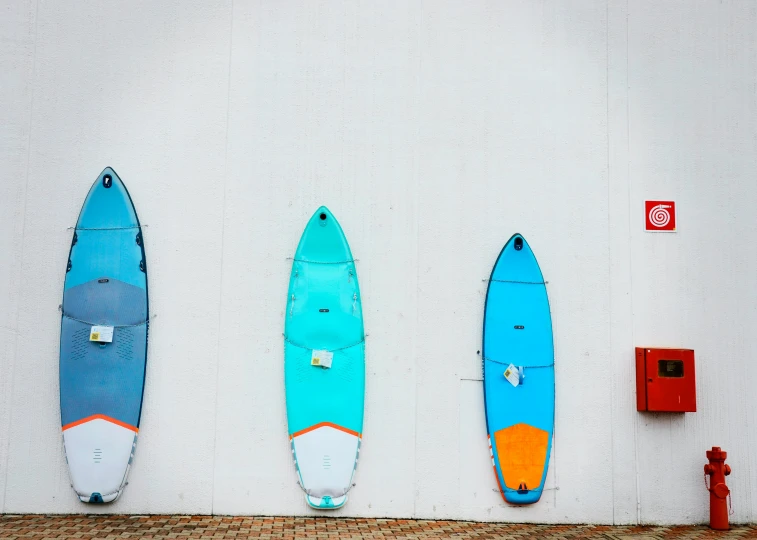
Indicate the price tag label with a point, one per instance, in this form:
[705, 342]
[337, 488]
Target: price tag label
[101, 334]
[321, 358]
[512, 375]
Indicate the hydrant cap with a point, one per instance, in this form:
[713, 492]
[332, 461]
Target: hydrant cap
[720, 490]
[716, 454]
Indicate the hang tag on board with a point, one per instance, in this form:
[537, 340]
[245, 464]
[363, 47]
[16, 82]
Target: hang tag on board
[101, 334]
[321, 358]
[512, 374]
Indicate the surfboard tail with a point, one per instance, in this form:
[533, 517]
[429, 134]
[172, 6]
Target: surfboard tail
[326, 503]
[522, 496]
[522, 451]
[99, 452]
[96, 498]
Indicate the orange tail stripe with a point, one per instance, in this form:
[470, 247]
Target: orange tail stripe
[324, 424]
[101, 417]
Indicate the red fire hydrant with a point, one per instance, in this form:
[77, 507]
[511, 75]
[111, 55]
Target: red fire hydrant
[717, 470]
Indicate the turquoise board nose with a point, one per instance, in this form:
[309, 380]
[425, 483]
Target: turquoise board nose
[323, 240]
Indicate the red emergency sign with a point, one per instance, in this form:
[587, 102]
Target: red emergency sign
[660, 215]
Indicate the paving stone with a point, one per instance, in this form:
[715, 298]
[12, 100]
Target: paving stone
[69, 527]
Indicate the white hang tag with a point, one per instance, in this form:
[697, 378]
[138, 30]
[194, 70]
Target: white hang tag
[321, 358]
[101, 334]
[512, 374]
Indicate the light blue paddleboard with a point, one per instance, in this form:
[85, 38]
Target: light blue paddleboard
[518, 333]
[324, 363]
[103, 342]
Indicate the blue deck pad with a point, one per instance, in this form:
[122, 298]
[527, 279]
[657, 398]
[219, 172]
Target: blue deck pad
[102, 379]
[518, 331]
[106, 301]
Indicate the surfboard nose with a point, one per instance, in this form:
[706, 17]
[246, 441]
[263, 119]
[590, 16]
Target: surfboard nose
[520, 265]
[518, 243]
[323, 240]
[324, 215]
[108, 179]
[108, 204]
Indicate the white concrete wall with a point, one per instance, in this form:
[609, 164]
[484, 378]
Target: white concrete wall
[433, 130]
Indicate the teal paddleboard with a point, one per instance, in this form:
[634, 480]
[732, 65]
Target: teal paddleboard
[324, 363]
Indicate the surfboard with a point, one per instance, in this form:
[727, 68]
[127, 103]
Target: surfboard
[324, 363]
[103, 341]
[519, 374]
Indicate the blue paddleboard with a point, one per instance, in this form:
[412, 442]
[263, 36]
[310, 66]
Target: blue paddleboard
[324, 363]
[519, 374]
[103, 341]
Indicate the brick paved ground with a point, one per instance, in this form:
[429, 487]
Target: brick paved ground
[218, 527]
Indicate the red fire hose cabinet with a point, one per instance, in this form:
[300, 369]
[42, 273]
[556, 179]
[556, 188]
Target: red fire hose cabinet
[665, 380]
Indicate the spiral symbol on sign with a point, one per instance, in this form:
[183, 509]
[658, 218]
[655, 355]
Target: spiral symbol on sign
[659, 215]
